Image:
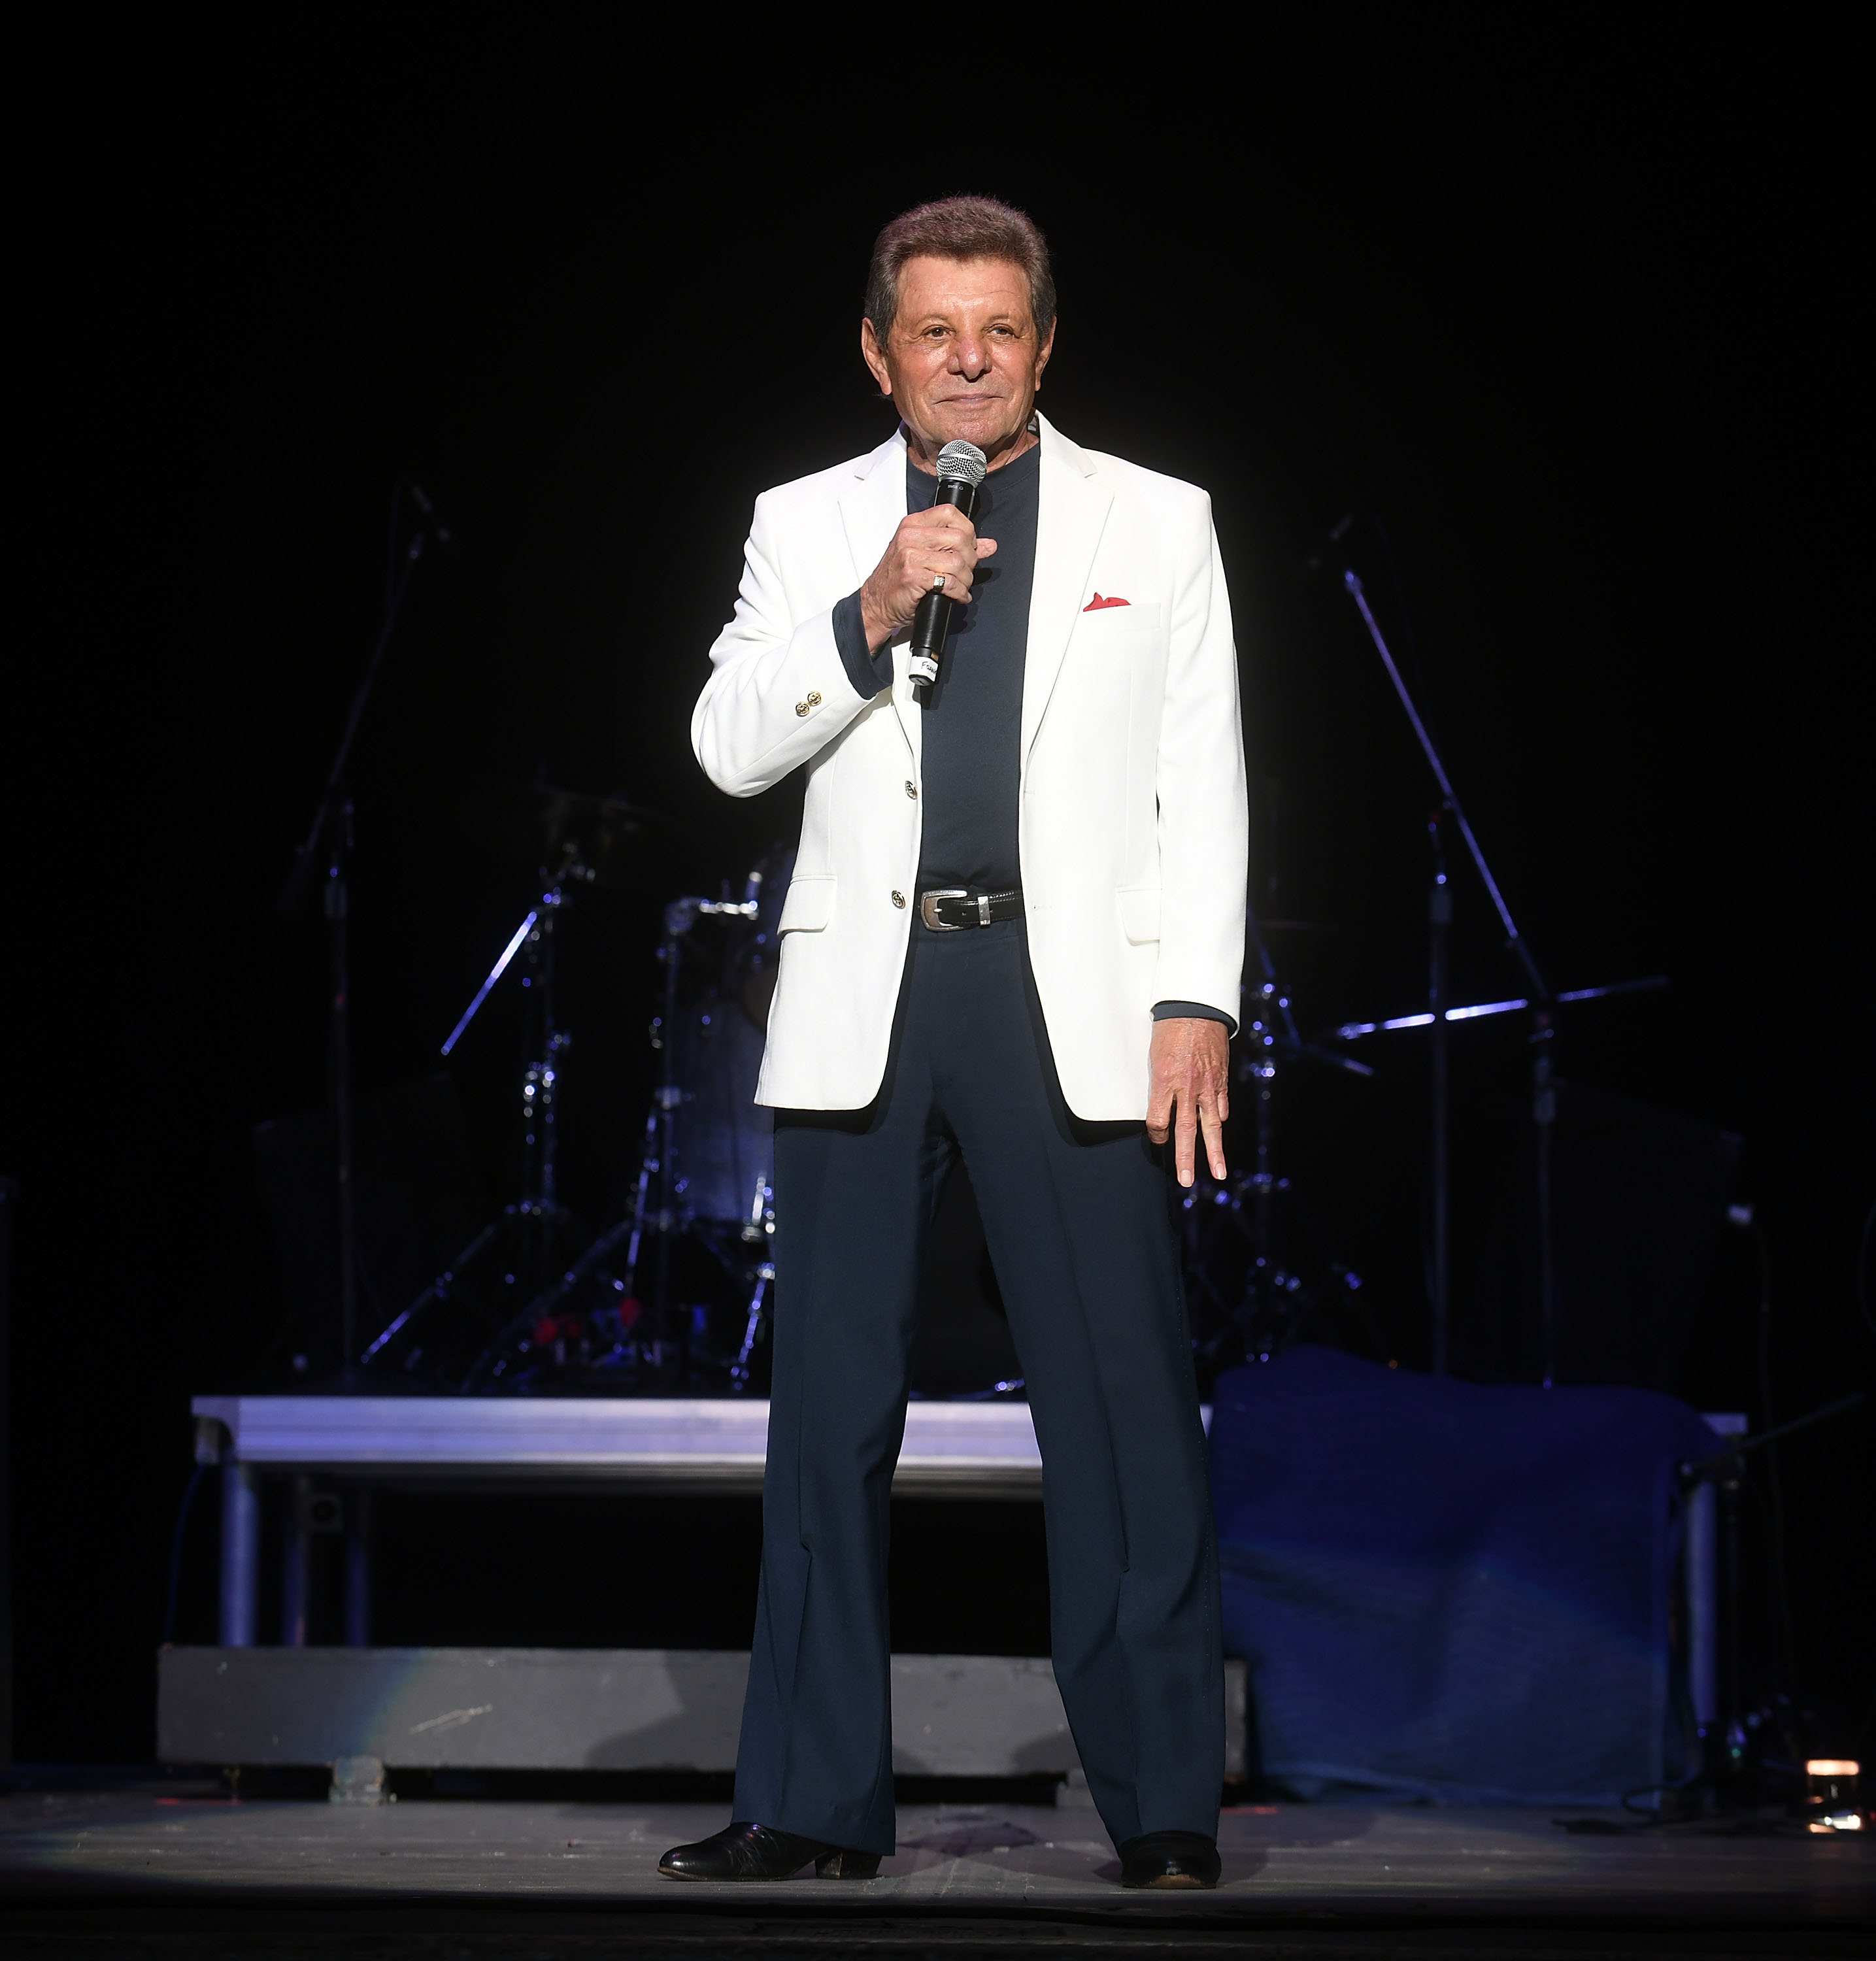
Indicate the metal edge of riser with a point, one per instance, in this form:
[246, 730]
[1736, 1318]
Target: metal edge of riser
[585, 1709]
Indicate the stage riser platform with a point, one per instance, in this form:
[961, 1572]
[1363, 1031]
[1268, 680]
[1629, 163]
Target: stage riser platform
[621, 1709]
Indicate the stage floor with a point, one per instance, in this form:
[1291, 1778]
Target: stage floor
[149, 1872]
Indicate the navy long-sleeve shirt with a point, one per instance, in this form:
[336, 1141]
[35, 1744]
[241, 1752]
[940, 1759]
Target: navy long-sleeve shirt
[973, 718]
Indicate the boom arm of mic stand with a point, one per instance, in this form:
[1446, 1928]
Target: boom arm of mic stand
[333, 797]
[1539, 988]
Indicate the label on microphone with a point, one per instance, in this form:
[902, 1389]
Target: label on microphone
[922, 667]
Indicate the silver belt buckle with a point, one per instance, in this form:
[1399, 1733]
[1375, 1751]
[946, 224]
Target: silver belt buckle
[928, 907]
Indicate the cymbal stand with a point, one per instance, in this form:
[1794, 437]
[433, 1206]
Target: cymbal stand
[541, 1209]
[656, 1161]
[1270, 1031]
[761, 1227]
[1274, 1303]
[534, 1217]
[679, 918]
[329, 840]
[1541, 1001]
[538, 1212]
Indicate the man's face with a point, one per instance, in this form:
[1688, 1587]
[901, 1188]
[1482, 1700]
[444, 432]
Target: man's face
[962, 358]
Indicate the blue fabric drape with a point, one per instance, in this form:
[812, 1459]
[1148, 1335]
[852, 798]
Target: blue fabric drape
[1450, 1590]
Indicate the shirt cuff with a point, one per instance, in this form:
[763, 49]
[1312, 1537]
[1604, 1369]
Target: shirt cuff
[1171, 1011]
[864, 670]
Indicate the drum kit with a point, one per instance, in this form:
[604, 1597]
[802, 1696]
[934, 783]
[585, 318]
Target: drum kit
[672, 1297]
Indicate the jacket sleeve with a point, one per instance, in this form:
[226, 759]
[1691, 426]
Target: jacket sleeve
[1205, 815]
[778, 691]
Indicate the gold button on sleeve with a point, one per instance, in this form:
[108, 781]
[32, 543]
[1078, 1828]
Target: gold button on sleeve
[813, 698]
[911, 789]
[898, 899]
[801, 708]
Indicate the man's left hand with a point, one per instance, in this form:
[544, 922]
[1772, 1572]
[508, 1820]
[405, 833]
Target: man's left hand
[1190, 1076]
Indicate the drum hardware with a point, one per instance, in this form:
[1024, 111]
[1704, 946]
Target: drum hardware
[538, 1223]
[758, 1229]
[565, 827]
[663, 1145]
[551, 1304]
[624, 1324]
[446, 1287]
[539, 1215]
[1273, 1304]
[602, 841]
[740, 1370]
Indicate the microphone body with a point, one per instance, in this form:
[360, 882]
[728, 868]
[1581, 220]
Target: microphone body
[961, 467]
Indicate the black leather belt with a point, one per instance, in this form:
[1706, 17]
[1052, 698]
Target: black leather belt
[952, 908]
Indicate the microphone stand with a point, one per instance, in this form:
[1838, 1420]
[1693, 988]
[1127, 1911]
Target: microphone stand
[1542, 1002]
[1439, 931]
[329, 839]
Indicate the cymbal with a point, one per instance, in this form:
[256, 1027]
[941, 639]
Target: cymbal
[620, 843]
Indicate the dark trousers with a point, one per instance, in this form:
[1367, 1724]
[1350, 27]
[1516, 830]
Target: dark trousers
[1077, 1219]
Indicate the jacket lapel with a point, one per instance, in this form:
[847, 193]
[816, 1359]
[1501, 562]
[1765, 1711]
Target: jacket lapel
[1072, 513]
[871, 508]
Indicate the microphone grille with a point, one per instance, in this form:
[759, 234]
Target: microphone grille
[960, 462]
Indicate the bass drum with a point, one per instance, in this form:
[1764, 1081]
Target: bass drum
[723, 1158]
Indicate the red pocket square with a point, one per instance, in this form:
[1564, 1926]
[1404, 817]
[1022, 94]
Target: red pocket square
[1097, 602]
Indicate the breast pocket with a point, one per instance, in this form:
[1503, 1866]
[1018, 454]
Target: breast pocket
[1115, 642]
[1117, 625]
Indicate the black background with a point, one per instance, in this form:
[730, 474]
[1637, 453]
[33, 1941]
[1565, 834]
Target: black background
[1573, 311]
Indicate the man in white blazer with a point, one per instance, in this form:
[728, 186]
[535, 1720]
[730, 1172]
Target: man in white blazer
[1014, 933]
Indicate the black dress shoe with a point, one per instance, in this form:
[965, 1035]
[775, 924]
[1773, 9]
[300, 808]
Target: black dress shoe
[744, 1851]
[1169, 1859]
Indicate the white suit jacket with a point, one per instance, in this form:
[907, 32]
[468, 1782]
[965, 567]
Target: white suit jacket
[1133, 826]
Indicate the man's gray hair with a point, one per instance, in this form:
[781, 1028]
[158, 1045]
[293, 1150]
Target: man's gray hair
[958, 228]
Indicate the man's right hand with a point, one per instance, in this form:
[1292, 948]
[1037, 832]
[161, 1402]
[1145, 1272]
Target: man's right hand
[941, 540]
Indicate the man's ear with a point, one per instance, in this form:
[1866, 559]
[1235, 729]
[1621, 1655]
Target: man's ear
[1042, 360]
[871, 353]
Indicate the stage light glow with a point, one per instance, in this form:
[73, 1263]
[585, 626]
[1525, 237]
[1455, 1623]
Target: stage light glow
[1832, 1793]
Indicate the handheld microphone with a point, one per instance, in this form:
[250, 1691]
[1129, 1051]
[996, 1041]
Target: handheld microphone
[961, 467]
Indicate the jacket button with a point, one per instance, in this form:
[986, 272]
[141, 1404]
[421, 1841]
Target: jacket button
[813, 698]
[801, 708]
[898, 899]
[911, 790]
